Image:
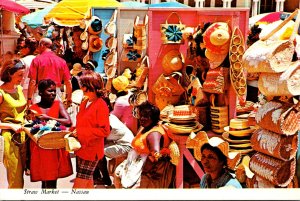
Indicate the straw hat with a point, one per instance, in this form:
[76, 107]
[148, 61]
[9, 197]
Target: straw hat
[183, 112]
[174, 153]
[120, 83]
[172, 61]
[235, 140]
[95, 26]
[77, 68]
[95, 43]
[216, 39]
[232, 157]
[239, 127]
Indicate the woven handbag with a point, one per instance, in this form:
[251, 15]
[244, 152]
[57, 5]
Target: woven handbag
[274, 170]
[271, 56]
[142, 72]
[172, 33]
[278, 117]
[140, 33]
[219, 116]
[281, 84]
[272, 144]
[216, 80]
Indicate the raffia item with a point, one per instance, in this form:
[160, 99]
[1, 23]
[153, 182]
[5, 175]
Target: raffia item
[111, 27]
[172, 61]
[72, 143]
[258, 182]
[195, 93]
[127, 41]
[219, 116]
[272, 144]
[174, 153]
[167, 90]
[274, 170]
[281, 84]
[238, 75]
[140, 33]
[242, 171]
[131, 55]
[271, 56]
[216, 80]
[202, 116]
[278, 117]
[52, 140]
[172, 33]
[142, 72]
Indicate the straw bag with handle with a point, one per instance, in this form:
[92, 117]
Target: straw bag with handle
[272, 144]
[274, 170]
[281, 84]
[172, 33]
[271, 56]
[140, 33]
[278, 117]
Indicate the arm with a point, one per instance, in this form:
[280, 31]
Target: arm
[153, 141]
[31, 89]
[68, 90]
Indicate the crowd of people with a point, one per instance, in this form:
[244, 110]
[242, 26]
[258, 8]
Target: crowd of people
[41, 81]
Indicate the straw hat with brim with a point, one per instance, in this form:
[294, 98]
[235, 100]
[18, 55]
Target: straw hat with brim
[216, 36]
[232, 157]
[182, 112]
[95, 26]
[237, 140]
[244, 132]
[242, 151]
[239, 127]
[172, 61]
[77, 68]
[95, 43]
[52, 139]
[240, 146]
[120, 83]
[177, 129]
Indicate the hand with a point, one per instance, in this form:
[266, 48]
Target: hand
[67, 103]
[73, 134]
[17, 128]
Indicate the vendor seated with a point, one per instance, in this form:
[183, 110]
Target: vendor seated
[217, 164]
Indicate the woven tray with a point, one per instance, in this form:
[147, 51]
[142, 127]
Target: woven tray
[278, 117]
[273, 144]
[278, 172]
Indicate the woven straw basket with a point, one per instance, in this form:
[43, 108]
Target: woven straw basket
[272, 144]
[281, 118]
[52, 140]
[281, 84]
[276, 171]
[271, 56]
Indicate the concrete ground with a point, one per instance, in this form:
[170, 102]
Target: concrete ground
[61, 183]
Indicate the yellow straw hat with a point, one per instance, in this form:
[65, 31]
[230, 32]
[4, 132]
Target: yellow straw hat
[120, 83]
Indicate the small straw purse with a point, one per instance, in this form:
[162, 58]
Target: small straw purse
[140, 33]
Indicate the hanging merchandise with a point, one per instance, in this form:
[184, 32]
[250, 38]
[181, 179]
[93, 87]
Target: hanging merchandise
[111, 27]
[167, 90]
[110, 64]
[238, 74]
[281, 84]
[216, 40]
[140, 33]
[172, 33]
[95, 43]
[278, 117]
[219, 116]
[217, 80]
[172, 61]
[95, 26]
[273, 56]
[131, 55]
[127, 41]
[195, 93]
[142, 71]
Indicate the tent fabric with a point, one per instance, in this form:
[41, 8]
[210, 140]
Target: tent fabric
[36, 19]
[72, 12]
[14, 7]
[134, 4]
[171, 4]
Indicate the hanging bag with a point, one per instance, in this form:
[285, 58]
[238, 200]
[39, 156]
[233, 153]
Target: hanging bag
[216, 80]
[140, 33]
[142, 72]
[172, 33]
[271, 56]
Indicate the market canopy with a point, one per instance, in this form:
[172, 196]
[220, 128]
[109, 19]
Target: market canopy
[134, 4]
[36, 19]
[12, 6]
[72, 12]
[170, 4]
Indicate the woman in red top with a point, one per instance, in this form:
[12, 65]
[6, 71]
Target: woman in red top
[92, 126]
[47, 165]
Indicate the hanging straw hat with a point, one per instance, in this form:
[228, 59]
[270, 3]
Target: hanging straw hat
[77, 68]
[172, 61]
[216, 39]
[95, 26]
[232, 157]
[95, 43]
[120, 83]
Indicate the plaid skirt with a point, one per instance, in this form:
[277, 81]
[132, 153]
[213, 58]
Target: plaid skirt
[85, 169]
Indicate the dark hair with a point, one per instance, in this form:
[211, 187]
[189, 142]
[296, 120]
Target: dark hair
[32, 44]
[91, 64]
[150, 110]
[9, 68]
[93, 82]
[217, 151]
[44, 84]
